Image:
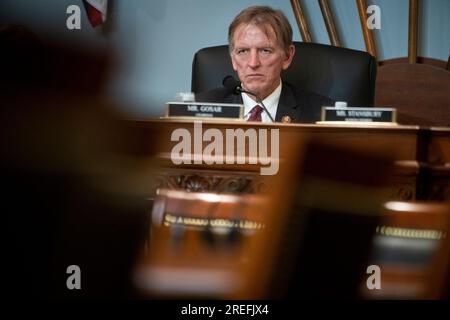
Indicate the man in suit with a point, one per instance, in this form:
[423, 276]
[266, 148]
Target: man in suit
[260, 41]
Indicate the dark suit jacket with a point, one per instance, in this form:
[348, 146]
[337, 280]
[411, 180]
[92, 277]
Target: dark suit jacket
[300, 105]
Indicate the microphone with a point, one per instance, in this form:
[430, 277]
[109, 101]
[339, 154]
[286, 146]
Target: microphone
[234, 86]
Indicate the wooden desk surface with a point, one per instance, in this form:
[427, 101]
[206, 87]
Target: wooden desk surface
[421, 154]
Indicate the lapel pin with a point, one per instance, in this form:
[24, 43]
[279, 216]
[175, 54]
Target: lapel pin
[286, 119]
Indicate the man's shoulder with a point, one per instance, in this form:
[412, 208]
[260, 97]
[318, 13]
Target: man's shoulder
[302, 105]
[307, 97]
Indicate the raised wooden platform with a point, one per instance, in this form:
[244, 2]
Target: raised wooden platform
[421, 155]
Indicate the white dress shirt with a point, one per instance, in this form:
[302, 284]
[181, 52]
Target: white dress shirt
[271, 103]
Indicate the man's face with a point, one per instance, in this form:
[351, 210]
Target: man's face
[258, 59]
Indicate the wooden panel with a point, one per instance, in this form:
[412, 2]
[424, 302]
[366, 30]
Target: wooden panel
[401, 139]
[421, 156]
[439, 147]
[421, 93]
[421, 261]
[421, 60]
[367, 33]
[413, 31]
[301, 21]
[329, 23]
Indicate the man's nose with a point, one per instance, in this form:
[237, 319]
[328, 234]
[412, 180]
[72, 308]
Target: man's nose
[254, 61]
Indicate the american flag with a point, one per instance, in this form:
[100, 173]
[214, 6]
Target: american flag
[96, 11]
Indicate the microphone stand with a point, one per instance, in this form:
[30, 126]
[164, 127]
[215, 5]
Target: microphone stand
[259, 101]
[234, 86]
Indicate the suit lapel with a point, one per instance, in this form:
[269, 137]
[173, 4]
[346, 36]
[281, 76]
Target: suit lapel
[287, 105]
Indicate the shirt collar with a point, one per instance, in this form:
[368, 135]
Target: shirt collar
[271, 103]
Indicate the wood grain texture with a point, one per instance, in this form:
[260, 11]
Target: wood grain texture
[367, 33]
[329, 23]
[301, 21]
[402, 143]
[421, 93]
[413, 25]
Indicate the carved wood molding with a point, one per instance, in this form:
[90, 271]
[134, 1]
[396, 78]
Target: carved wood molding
[211, 181]
[403, 192]
[403, 185]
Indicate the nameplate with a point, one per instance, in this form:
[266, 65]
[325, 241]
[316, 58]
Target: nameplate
[223, 111]
[364, 115]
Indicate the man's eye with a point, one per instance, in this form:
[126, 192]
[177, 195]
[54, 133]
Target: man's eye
[242, 51]
[266, 51]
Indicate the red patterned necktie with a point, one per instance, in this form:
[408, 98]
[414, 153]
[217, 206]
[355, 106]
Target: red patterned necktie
[255, 113]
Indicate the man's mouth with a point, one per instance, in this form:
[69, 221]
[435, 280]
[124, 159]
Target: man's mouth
[254, 76]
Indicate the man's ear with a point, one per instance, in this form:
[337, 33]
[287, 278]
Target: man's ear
[289, 56]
